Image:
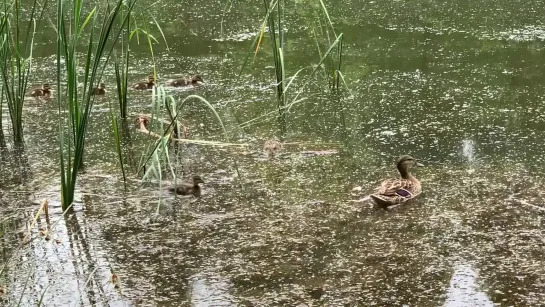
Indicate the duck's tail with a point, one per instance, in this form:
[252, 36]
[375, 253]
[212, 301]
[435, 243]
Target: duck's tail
[379, 201]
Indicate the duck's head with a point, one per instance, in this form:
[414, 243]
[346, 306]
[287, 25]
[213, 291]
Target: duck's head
[151, 79]
[405, 162]
[101, 85]
[197, 78]
[46, 86]
[197, 179]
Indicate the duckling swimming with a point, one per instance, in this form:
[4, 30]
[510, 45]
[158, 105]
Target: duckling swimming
[145, 85]
[188, 188]
[185, 81]
[45, 90]
[99, 90]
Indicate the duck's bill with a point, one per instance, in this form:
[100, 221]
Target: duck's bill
[419, 164]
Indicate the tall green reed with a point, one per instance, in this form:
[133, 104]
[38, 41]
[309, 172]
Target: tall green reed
[275, 20]
[331, 67]
[16, 45]
[76, 29]
[122, 67]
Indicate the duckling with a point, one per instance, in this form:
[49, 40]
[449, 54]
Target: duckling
[99, 90]
[396, 191]
[188, 188]
[45, 90]
[142, 121]
[185, 81]
[271, 148]
[145, 85]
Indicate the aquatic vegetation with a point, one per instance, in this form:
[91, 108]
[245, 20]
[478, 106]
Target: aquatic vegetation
[155, 161]
[122, 69]
[330, 61]
[277, 38]
[16, 49]
[331, 67]
[71, 25]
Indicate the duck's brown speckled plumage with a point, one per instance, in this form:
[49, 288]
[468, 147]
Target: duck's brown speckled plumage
[396, 191]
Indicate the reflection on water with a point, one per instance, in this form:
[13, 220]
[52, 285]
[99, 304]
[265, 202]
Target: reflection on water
[468, 150]
[210, 291]
[463, 289]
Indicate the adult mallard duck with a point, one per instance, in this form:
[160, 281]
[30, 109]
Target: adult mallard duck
[396, 191]
[99, 90]
[185, 81]
[45, 90]
[145, 85]
[188, 188]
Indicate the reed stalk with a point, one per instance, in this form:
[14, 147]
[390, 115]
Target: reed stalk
[333, 62]
[74, 30]
[275, 19]
[122, 69]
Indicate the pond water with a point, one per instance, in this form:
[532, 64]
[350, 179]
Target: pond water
[457, 84]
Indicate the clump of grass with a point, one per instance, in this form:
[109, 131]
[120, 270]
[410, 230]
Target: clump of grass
[156, 161]
[330, 61]
[16, 58]
[332, 64]
[75, 106]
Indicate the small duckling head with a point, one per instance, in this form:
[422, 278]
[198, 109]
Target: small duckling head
[46, 86]
[151, 79]
[197, 78]
[197, 179]
[142, 120]
[102, 85]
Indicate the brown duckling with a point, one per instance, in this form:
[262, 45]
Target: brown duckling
[142, 121]
[188, 188]
[271, 148]
[185, 81]
[396, 191]
[99, 90]
[145, 85]
[45, 90]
